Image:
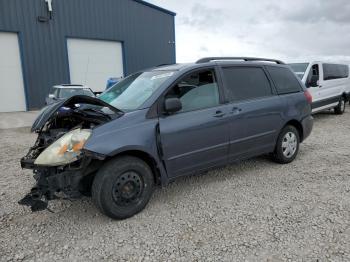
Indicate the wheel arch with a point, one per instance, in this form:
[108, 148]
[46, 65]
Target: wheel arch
[298, 126]
[346, 96]
[150, 160]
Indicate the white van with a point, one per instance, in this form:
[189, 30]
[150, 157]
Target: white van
[328, 83]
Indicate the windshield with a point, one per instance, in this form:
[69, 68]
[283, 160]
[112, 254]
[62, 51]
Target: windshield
[69, 92]
[133, 91]
[299, 68]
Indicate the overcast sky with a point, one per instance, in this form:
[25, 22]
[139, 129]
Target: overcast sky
[290, 30]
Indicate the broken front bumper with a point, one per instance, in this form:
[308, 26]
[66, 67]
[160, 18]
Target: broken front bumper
[64, 182]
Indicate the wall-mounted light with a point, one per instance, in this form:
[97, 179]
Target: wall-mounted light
[49, 7]
[44, 19]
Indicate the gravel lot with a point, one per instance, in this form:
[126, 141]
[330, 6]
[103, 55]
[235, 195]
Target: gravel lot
[255, 210]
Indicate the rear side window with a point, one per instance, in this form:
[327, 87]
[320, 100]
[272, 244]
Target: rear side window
[244, 83]
[284, 79]
[333, 71]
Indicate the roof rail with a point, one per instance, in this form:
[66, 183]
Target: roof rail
[163, 65]
[208, 59]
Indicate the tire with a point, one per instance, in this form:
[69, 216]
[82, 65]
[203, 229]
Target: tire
[123, 187]
[281, 155]
[340, 108]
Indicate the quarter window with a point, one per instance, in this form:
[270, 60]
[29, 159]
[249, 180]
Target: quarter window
[197, 90]
[285, 80]
[244, 83]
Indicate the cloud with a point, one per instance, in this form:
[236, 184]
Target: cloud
[288, 30]
[336, 11]
[203, 18]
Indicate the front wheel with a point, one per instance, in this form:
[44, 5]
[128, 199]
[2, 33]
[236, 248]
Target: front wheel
[123, 187]
[287, 146]
[340, 108]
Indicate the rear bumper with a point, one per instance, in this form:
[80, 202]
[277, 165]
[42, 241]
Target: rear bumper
[307, 123]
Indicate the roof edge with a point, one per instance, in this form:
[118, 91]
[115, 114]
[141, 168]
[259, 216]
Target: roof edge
[155, 7]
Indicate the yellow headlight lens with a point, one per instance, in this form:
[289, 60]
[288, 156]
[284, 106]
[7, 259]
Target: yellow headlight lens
[65, 150]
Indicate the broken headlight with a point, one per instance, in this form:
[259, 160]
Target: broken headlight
[65, 150]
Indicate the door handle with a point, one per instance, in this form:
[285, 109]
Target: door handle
[219, 113]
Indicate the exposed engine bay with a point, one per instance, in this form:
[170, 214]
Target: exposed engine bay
[57, 158]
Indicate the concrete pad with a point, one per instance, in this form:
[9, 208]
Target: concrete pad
[17, 119]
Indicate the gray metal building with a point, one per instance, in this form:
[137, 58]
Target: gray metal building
[48, 42]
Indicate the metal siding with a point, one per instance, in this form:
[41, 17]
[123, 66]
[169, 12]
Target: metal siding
[145, 32]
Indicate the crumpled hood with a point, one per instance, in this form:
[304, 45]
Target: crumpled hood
[48, 112]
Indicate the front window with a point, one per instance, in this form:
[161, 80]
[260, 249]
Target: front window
[69, 92]
[198, 90]
[133, 91]
[299, 68]
[313, 77]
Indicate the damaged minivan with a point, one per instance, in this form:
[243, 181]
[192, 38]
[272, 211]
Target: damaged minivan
[163, 123]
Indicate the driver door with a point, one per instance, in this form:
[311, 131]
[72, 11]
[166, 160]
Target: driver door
[197, 137]
[314, 89]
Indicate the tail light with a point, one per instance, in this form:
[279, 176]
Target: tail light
[308, 96]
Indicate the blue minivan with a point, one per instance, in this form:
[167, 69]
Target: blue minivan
[163, 123]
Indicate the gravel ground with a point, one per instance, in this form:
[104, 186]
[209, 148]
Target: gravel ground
[255, 210]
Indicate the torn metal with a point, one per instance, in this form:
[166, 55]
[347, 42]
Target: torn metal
[68, 181]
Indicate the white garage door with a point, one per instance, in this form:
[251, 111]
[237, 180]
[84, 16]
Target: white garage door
[92, 62]
[12, 96]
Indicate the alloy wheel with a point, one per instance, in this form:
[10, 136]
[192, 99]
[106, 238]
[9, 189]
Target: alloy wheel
[289, 144]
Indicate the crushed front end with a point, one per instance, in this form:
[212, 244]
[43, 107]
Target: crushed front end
[63, 182]
[62, 168]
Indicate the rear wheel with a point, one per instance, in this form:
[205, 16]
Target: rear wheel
[287, 146]
[123, 187]
[340, 108]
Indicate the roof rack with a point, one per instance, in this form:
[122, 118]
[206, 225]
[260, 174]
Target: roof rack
[163, 65]
[208, 59]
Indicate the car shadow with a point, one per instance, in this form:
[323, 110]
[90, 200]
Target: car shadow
[324, 114]
[84, 209]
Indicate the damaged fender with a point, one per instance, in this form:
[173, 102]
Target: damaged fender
[53, 122]
[130, 134]
[111, 134]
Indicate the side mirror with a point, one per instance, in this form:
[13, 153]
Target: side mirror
[172, 105]
[313, 82]
[52, 96]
